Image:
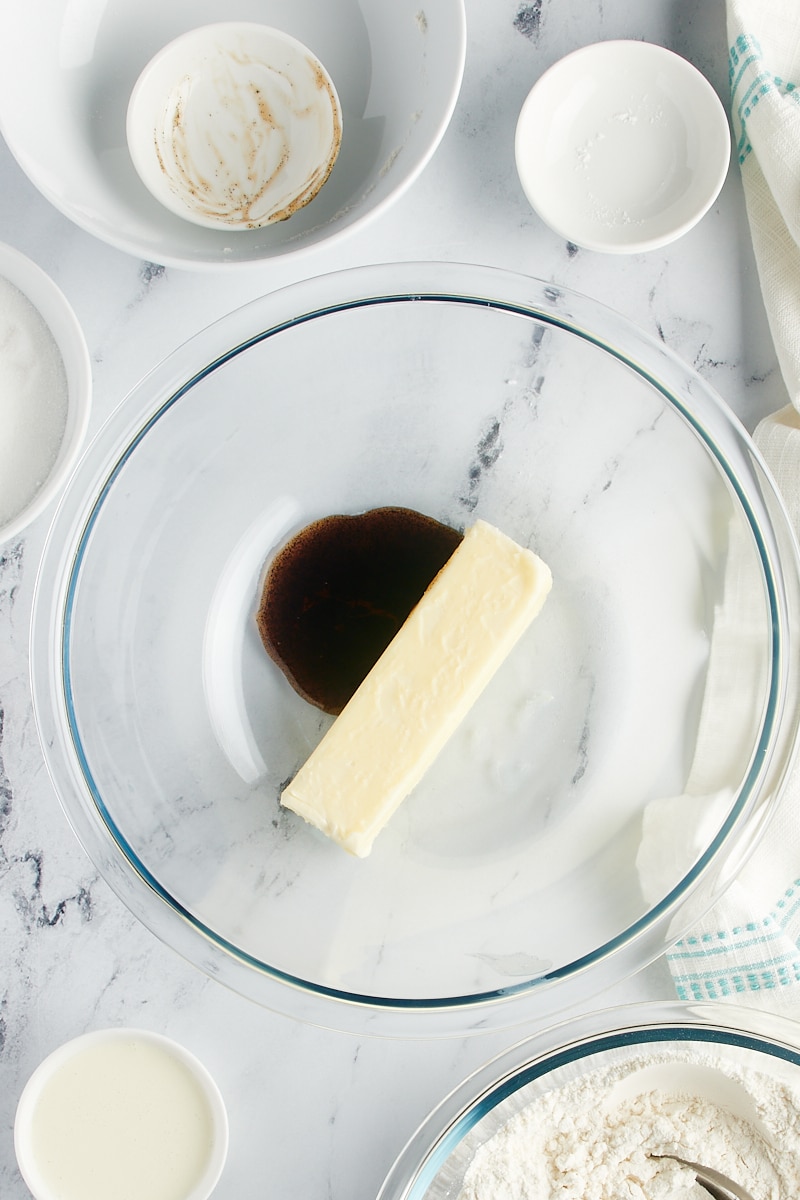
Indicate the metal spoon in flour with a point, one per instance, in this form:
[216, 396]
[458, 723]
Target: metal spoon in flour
[718, 1186]
[698, 1080]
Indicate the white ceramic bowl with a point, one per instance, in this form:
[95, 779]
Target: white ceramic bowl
[58, 458]
[65, 85]
[234, 125]
[622, 146]
[117, 1106]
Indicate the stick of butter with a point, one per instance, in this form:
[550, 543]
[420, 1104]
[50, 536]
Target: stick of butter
[420, 689]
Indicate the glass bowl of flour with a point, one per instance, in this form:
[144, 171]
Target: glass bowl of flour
[586, 1109]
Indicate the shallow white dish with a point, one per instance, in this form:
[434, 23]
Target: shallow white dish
[116, 1109]
[65, 87]
[234, 125]
[57, 314]
[622, 146]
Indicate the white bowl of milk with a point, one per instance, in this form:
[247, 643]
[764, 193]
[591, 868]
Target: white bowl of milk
[121, 1114]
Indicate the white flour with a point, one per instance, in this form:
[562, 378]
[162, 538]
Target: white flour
[573, 1144]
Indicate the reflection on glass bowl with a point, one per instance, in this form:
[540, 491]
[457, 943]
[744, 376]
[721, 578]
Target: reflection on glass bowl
[567, 834]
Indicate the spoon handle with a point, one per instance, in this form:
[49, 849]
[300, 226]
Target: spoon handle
[718, 1186]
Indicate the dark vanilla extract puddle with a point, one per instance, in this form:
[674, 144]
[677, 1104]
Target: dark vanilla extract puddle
[337, 593]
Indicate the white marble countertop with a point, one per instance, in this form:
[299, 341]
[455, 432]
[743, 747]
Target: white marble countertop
[312, 1112]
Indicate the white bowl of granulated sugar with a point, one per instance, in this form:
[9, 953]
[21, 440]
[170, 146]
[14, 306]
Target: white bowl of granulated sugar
[45, 391]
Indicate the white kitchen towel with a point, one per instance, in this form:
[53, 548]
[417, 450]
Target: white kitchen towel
[748, 947]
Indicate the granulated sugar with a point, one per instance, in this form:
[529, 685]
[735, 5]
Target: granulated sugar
[33, 401]
[573, 1144]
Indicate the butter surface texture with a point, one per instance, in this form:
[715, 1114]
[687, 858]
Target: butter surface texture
[421, 688]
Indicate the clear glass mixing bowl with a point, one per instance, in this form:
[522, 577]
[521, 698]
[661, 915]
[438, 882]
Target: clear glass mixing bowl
[585, 811]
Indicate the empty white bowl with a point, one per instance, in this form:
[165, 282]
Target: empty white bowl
[45, 391]
[234, 125]
[121, 1112]
[622, 146]
[65, 88]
